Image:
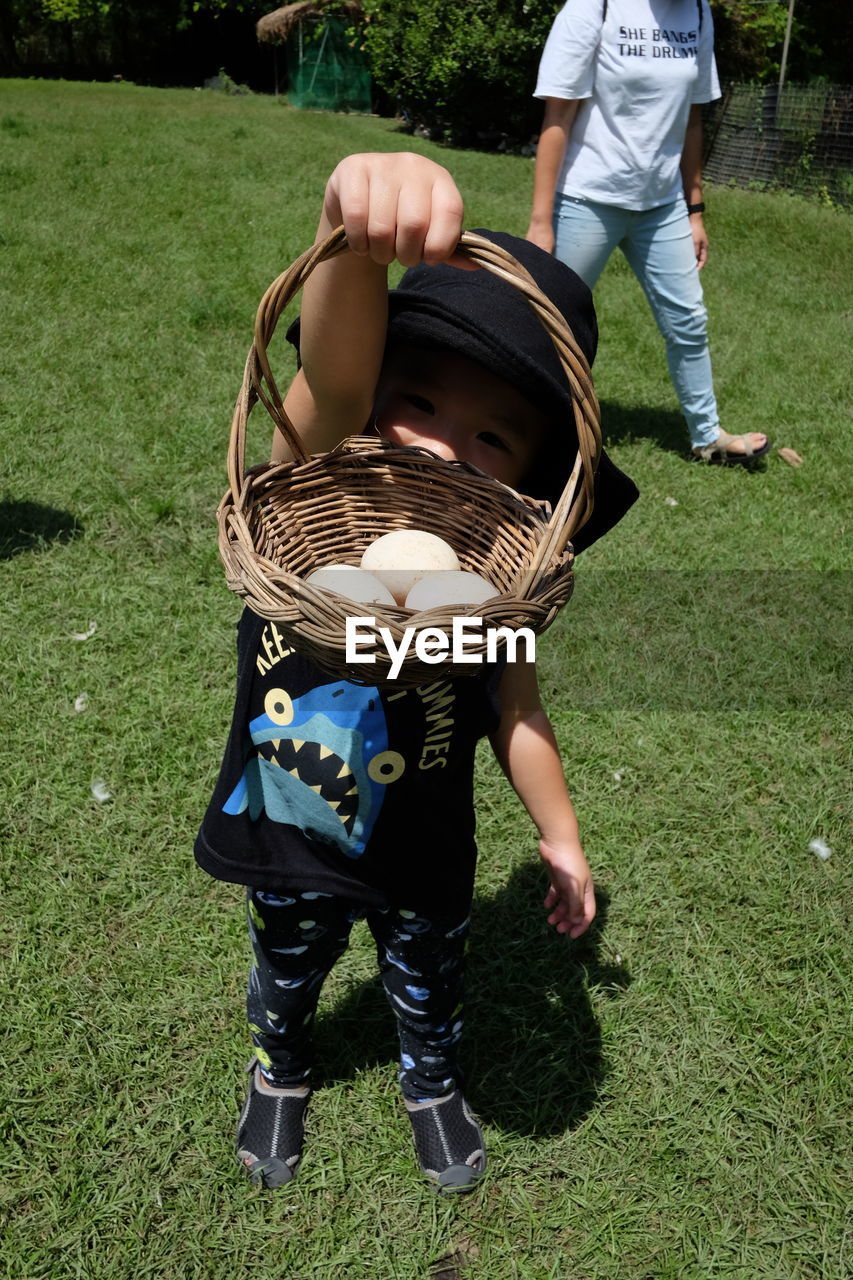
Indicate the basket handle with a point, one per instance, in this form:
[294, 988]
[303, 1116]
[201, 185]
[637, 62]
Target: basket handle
[575, 504]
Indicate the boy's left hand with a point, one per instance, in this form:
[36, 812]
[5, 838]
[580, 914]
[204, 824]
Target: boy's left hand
[570, 898]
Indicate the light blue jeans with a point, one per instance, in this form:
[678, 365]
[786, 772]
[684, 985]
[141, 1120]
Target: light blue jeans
[659, 247]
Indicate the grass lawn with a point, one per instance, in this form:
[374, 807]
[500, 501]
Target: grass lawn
[665, 1099]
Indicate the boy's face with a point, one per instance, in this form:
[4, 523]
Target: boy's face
[449, 404]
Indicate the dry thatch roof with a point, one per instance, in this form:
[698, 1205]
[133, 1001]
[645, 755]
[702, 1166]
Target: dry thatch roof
[279, 24]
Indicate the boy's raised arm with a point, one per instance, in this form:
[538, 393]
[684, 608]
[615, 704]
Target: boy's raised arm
[395, 206]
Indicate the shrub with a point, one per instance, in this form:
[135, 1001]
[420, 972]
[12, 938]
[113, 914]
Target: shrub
[464, 73]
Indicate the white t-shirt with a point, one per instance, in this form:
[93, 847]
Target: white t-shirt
[638, 70]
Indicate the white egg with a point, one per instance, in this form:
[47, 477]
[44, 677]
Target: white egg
[399, 558]
[446, 587]
[346, 580]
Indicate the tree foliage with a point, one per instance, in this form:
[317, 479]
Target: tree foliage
[175, 12]
[463, 72]
[467, 72]
[147, 39]
[750, 36]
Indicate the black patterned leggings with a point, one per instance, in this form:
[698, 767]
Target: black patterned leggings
[296, 940]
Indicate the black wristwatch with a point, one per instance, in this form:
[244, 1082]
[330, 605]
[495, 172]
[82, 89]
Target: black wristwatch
[696, 208]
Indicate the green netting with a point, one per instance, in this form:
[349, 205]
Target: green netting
[326, 68]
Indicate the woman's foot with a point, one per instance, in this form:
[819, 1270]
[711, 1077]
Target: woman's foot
[728, 448]
[448, 1141]
[270, 1131]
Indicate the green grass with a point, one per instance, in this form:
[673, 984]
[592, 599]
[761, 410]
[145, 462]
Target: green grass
[665, 1099]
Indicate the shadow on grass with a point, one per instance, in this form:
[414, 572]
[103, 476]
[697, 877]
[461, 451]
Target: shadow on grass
[29, 526]
[622, 424]
[532, 1044]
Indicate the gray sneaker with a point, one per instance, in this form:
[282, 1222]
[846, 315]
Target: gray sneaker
[449, 1143]
[270, 1131]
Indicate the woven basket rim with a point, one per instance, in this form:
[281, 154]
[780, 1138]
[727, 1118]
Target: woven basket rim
[281, 493]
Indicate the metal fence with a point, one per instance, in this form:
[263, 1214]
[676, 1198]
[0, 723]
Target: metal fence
[799, 140]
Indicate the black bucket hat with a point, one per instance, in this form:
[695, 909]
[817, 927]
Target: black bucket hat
[484, 318]
[479, 315]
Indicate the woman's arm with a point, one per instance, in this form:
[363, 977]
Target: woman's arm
[553, 140]
[527, 751]
[691, 179]
[393, 206]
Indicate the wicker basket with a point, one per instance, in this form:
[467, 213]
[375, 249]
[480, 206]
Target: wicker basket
[280, 521]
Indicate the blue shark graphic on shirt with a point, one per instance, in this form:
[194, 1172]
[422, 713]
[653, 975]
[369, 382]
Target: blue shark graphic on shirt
[320, 762]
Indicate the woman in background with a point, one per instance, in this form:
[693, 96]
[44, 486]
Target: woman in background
[619, 163]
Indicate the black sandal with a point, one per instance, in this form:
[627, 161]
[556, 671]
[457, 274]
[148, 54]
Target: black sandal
[719, 449]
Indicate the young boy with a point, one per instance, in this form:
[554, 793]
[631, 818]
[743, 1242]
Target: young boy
[339, 801]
